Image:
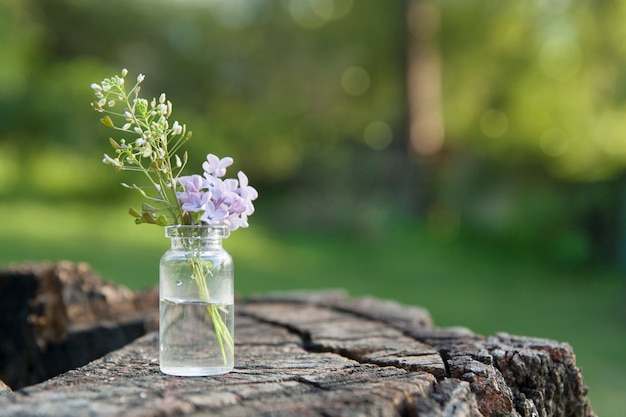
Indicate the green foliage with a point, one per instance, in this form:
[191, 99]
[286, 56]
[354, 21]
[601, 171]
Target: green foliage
[270, 83]
[542, 79]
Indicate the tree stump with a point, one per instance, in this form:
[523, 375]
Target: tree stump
[325, 354]
[59, 316]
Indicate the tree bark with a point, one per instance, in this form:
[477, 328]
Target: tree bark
[426, 127]
[59, 316]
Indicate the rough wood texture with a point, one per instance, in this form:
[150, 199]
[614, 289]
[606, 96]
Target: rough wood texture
[323, 354]
[58, 316]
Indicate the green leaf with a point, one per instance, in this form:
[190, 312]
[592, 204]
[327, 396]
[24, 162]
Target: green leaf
[106, 120]
[161, 220]
[156, 164]
[134, 212]
[113, 143]
[148, 218]
[148, 208]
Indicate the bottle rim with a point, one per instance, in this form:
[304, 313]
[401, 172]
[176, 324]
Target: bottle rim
[196, 231]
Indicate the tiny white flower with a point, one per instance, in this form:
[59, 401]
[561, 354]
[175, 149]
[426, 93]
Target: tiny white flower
[106, 87]
[138, 130]
[96, 87]
[140, 142]
[111, 103]
[140, 78]
[110, 161]
[102, 102]
[128, 115]
[163, 109]
[176, 128]
[162, 98]
[126, 126]
[124, 72]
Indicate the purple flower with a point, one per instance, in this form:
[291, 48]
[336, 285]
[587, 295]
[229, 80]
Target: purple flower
[212, 215]
[235, 222]
[216, 167]
[224, 191]
[247, 192]
[194, 201]
[226, 202]
[193, 183]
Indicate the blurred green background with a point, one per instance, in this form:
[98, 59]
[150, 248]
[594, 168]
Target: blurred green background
[463, 155]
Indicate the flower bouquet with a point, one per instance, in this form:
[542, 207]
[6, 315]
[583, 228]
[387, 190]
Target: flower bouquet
[198, 211]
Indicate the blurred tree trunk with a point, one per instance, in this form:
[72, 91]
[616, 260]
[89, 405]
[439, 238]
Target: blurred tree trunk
[425, 119]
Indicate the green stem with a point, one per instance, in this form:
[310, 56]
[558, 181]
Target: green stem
[224, 338]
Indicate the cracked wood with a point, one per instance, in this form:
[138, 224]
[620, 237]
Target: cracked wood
[324, 354]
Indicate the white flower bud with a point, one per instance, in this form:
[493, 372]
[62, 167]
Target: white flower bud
[176, 128]
[140, 142]
[111, 103]
[162, 98]
[110, 161]
[96, 87]
[140, 78]
[138, 130]
[124, 72]
[126, 126]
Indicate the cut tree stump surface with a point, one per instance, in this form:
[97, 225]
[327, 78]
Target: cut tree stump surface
[325, 354]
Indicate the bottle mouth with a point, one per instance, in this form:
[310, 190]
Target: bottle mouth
[197, 231]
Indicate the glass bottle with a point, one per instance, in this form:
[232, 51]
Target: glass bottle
[196, 295]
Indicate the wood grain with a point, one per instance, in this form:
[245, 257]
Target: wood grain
[326, 354]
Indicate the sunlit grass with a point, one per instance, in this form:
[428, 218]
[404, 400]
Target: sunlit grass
[461, 283]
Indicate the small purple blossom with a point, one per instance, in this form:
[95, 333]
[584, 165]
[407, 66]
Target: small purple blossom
[216, 167]
[212, 215]
[194, 202]
[247, 192]
[193, 183]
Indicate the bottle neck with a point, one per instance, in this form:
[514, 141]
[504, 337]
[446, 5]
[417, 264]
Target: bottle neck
[195, 244]
[196, 237]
